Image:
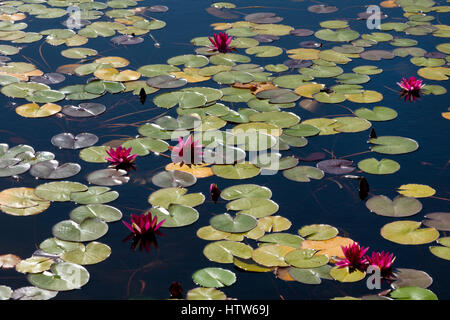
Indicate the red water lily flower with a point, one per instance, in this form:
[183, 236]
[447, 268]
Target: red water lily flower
[120, 156]
[187, 152]
[144, 224]
[221, 43]
[411, 88]
[354, 257]
[383, 260]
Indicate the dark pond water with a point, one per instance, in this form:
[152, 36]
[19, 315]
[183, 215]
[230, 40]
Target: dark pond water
[130, 274]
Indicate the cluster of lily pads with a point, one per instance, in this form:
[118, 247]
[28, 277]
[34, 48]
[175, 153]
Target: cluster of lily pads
[262, 93]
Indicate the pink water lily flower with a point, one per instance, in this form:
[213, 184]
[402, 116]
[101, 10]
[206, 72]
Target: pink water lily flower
[221, 43]
[187, 152]
[412, 84]
[354, 257]
[144, 224]
[410, 88]
[120, 156]
[383, 260]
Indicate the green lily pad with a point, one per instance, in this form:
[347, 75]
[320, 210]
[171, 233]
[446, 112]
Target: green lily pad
[226, 223]
[5, 292]
[88, 230]
[303, 173]
[408, 232]
[167, 196]
[62, 276]
[237, 171]
[189, 61]
[92, 253]
[94, 195]
[34, 264]
[373, 166]
[214, 277]
[306, 258]
[271, 255]
[413, 293]
[58, 191]
[255, 207]
[377, 114]
[95, 154]
[224, 251]
[393, 145]
[264, 51]
[310, 276]
[285, 239]
[143, 146]
[401, 206]
[246, 191]
[318, 232]
[176, 216]
[100, 211]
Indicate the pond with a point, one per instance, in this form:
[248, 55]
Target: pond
[311, 84]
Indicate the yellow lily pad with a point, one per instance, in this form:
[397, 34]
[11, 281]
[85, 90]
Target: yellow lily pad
[198, 170]
[33, 110]
[434, 73]
[331, 247]
[416, 190]
[303, 54]
[115, 62]
[191, 75]
[112, 74]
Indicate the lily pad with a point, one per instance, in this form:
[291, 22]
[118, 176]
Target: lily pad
[305, 258]
[413, 293]
[393, 145]
[108, 177]
[89, 229]
[438, 220]
[377, 114]
[384, 166]
[176, 216]
[51, 169]
[344, 275]
[237, 171]
[67, 140]
[99, 211]
[224, 251]
[411, 278]
[58, 191]
[303, 173]
[92, 253]
[226, 223]
[246, 191]
[310, 276]
[214, 277]
[167, 196]
[336, 166]
[399, 207]
[94, 195]
[318, 232]
[61, 277]
[408, 232]
[205, 294]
